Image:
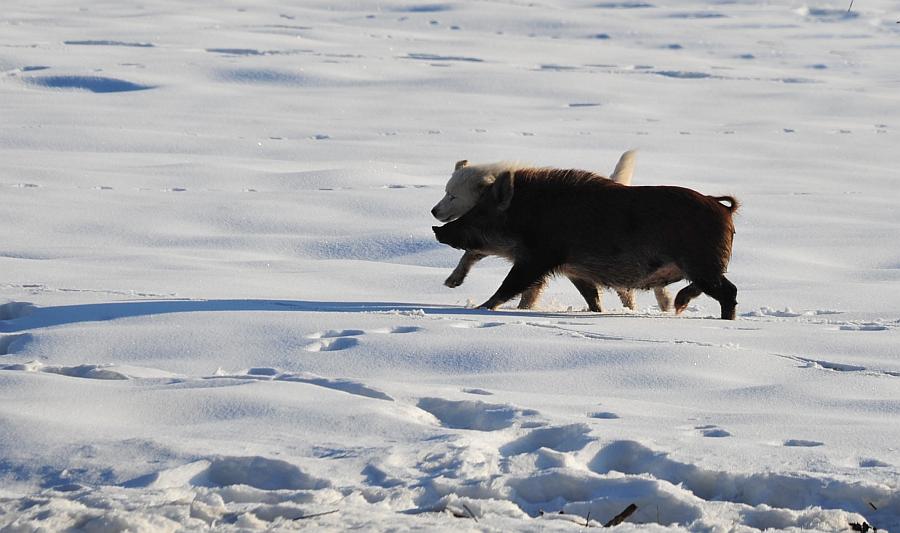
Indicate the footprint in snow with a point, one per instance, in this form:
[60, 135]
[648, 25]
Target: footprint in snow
[105, 42]
[253, 471]
[94, 84]
[863, 327]
[603, 415]
[10, 344]
[376, 475]
[333, 340]
[800, 443]
[335, 333]
[405, 329]
[474, 415]
[341, 339]
[332, 344]
[568, 438]
[272, 374]
[474, 325]
[103, 372]
[712, 431]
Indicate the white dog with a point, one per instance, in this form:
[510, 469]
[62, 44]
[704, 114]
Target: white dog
[463, 191]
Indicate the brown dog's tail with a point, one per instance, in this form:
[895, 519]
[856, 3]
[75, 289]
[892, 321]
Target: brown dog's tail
[734, 204]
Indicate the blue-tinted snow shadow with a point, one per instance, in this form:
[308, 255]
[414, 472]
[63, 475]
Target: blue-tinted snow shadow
[43, 317]
[94, 84]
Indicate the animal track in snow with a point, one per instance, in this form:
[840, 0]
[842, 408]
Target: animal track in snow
[794, 491]
[14, 310]
[472, 325]
[273, 374]
[559, 438]
[475, 415]
[438, 57]
[870, 326]
[397, 329]
[839, 367]
[253, 471]
[332, 344]
[103, 372]
[10, 344]
[94, 84]
[333, 340]
[872, 463]
[108, 43]
[333, 333]
[801, 443]
[378, 476]
[603, 415]
[712, 431]
[697, 15]
[623, 5]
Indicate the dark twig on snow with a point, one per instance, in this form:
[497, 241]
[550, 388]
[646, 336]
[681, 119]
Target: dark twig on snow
[587, 520]
[872, 505]
[471, 514]
[851, 7]
[864, 527]
[315, 515]
[619, 518]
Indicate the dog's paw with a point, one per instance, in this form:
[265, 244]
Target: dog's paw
[453, 282]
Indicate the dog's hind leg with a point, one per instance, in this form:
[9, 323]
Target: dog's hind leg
[684, 297]
[627, 297]
[532, 294]
[466, 262]
[663, 298]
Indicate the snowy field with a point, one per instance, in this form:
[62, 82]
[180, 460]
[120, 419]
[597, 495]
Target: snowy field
[221, 301]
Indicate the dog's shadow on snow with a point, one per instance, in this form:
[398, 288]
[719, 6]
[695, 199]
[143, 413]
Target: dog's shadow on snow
[18, 316]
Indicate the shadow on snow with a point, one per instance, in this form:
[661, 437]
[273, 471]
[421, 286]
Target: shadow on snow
[42, 317]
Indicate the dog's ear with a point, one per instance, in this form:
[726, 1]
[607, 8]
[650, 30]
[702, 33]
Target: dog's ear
[461, 163]
[503, 189]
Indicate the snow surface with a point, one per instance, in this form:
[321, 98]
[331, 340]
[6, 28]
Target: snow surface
[221, 303]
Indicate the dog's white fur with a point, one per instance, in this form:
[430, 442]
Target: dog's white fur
[465, 186]
[468, 181]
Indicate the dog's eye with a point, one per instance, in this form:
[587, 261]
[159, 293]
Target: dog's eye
[452, 197]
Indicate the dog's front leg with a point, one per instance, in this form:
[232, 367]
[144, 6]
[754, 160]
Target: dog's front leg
[523, 275]
[462, 269]
[590, 292]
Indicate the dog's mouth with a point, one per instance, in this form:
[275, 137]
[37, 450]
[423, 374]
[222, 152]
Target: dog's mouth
[445, 218]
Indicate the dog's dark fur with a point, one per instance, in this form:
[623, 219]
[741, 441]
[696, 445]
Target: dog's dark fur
[552, 221]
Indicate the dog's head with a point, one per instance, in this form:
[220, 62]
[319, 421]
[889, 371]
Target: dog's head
[484, 225]
[465, 187]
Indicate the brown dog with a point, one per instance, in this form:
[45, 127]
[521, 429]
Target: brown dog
[553, 221]
[462, 193]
